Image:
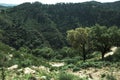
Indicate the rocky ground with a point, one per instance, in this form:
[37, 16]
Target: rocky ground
[42, 72]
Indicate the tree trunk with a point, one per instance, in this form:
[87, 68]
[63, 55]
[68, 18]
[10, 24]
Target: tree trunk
[103, 55]
[104, 51]
[84, 53]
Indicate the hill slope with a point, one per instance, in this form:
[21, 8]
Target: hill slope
[48, 24]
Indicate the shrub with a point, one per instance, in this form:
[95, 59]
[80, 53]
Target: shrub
[89, 64]
[66, 76]
[54, 68]
[71, 61]
[24, 49]
[116, 56]
[70, 65]
[45, 52]
[58, 56]
[103, 75]
[110, 77]
[2, 59]
[67, 52]
[76, 69]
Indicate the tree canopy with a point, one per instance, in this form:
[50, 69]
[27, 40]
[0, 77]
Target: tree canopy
[79, 39]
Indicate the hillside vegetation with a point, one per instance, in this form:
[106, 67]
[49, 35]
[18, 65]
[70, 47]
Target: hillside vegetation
[63, 41]
[49, 23]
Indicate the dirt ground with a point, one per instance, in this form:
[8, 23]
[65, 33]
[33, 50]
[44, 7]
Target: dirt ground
[96, 74]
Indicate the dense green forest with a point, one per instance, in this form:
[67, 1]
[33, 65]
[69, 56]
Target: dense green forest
[47, 24]
[36, 32]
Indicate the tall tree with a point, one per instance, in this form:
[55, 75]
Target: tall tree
[78, 38]
[104, 38]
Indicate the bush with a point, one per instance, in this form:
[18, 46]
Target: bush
[70, 65]
[24, 49]
[3, 59]
[67, 52]
[45, 52]
[54, 68]
[58, 56]
[103, 75]
[76, 69]
[66, 76]
[24, 59]
[71, 61]
[89, 64]
[110, 77]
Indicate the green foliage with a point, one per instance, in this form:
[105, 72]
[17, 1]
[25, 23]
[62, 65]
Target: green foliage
[92, 64]
[104, 38]
[46, 25]
[54, 68]
[22, 58]
[69, 60]
[70, 65]
[67, 52]
[103, 75]
[26, 59]
[79, 39]
[76, 69]
[1, 35]
[5, 50]
[4, 21]
[42, 32]
[45, 52]
[115, 57]
[24, 49]
[66, 76]
[3, 59]
[110, 77]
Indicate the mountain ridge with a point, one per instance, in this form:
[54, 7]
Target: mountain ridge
[8, 5]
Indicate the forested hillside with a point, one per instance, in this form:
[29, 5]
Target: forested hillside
[40, 25]
[63, 41]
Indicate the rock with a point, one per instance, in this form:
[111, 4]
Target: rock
[43, 68]
[34, 67]
[11, 55]
[113, 49]
[52, 79]
[20, 70]
[28, 70]
[108, 54]
[57, 64]
[43, 78]
[13, 67]
[90, 79]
